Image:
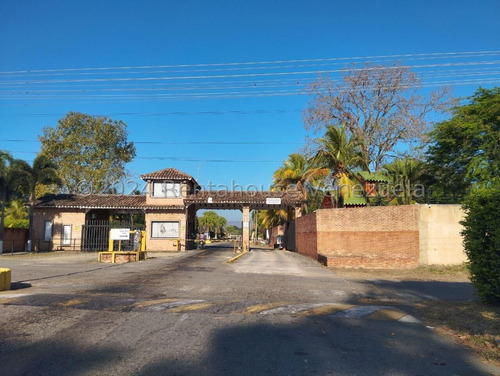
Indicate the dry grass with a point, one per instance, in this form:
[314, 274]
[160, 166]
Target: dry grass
[472, 324]
[455, 273]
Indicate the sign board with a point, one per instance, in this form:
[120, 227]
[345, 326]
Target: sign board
[245, 224]
[273, 201]
[210, 200]
[119, 234]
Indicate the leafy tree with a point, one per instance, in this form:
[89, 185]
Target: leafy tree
[89, 151]
[233, 230]
[272, 218]
[298, 172]
[379, 106]
[42, 172]
[404, 175]
[5, 176]
[16, 215]
[212, 222]
[482, 240]
[340, 153]
[464, 151]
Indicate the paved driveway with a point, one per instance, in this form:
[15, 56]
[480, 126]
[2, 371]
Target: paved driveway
[191, 313]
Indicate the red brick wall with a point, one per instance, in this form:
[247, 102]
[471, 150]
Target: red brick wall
[368, 237]
[306, 235]
[14, 239]
[274, 232]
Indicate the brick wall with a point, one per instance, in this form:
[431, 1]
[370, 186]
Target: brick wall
[14, 239]
[274, 232]
[306, 235]
[59, 218]
[369, 237]
[165, 244]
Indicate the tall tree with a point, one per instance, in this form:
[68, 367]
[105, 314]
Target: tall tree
[379, 106]
[5, 174]
[43, 171]
[298, 171]
[89, 151]
[464, 151]
[272, 218]
[340, 152]
[404, 175]
[212, 222]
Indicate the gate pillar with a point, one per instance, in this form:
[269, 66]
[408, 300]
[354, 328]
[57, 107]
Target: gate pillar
[246, 229]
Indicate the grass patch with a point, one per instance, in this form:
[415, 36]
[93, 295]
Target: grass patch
[453, 273]
[473, 324]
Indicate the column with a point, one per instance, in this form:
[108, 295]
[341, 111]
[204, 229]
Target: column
[246, 228]
[298, 212]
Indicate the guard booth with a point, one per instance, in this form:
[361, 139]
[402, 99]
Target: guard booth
[134, 239]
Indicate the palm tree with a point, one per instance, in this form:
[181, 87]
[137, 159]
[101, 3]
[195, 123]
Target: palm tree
[5, 175]
[404, 172]
[43, 171]
[298, 171]
[16, 211]
[271, 218]
[341, 154]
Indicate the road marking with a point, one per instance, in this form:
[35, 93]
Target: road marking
[359, 311]
[387, 314]
[410, 319]
[74, 302]
[291, 309]
[257, 308]
[148, 303]
[326, 310]
[190, 307]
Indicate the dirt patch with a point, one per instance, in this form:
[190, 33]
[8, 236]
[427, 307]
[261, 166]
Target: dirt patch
[458, 273]
[472, 324]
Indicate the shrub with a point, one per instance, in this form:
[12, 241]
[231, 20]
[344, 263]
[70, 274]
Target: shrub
[482, 241]
[17, 223]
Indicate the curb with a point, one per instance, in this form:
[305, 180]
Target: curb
[231, 260]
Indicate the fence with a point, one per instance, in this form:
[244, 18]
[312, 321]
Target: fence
[14, 240]
[95, 235]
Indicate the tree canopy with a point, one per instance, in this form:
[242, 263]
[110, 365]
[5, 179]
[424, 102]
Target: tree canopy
[379, 106]
[464, 151]
[212, 222]
[89, 151]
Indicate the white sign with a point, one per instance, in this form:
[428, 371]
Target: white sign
[273, 201]
[245, 225]
[210, 200]
[119, 234]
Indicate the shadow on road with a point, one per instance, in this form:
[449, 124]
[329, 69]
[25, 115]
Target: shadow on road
[322, 347]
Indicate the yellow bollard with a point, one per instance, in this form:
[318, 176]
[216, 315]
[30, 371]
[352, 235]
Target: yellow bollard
[143, 241]
[5, 279]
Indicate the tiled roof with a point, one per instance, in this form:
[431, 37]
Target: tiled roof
[374, 176]
[74, 201]
[355, 201]
[168, 174]
[292, 198]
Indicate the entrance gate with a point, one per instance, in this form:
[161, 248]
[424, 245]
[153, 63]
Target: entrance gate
[95, 235]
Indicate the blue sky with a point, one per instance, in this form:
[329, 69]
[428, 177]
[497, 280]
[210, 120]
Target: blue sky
[185, 39]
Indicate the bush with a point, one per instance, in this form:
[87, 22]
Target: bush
[17, 223]
[482, 241]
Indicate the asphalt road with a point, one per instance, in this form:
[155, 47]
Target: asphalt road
[191, 313]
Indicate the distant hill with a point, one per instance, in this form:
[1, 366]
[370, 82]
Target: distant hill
[234, 223]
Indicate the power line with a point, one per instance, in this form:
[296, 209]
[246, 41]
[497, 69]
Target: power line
[179, 142]
[52, 74]
[268, 74]
[394, 56]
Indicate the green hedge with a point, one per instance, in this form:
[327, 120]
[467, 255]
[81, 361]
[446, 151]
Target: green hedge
[17, 223]
[482, 241]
